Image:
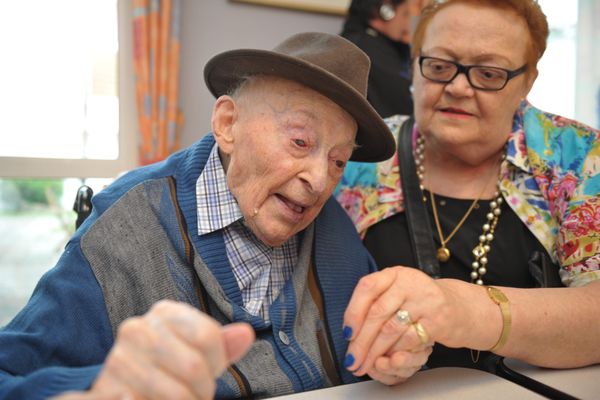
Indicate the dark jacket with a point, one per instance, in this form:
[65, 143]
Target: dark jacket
[389, 77]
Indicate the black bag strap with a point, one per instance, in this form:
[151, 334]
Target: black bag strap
[544, 271]
[419, 226]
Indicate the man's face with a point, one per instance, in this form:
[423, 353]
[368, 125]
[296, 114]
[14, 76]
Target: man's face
[284, 147]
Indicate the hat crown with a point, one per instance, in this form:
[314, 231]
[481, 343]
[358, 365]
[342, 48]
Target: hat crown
[333, 54]
[326, 63]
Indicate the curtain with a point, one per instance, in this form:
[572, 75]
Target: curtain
[156, 30]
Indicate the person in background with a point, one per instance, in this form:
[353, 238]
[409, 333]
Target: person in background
[224, 270]
[502, 187]
[381, 28]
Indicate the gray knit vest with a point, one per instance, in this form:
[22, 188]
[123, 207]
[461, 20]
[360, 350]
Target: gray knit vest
[136, 263]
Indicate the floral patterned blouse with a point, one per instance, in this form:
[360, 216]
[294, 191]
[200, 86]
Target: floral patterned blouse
[551, 179]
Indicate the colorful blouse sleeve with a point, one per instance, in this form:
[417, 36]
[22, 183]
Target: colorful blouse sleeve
[565, 158]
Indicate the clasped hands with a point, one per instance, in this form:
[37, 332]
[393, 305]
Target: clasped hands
[392, 321]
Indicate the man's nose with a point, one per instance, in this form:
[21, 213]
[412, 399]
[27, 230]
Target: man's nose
[316, 174]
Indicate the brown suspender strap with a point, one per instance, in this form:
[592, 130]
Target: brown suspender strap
[188, 249]
[240, 379]
[324, 348]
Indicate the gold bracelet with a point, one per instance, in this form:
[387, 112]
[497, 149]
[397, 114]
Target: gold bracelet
[500, 298]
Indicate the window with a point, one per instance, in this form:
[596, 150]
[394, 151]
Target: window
[62, 110]
[36, 221]
[68, 118]
[564, 85]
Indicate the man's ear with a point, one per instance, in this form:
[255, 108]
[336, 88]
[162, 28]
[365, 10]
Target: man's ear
[224, 116]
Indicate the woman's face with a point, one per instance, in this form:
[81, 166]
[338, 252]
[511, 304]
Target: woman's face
[456, 118]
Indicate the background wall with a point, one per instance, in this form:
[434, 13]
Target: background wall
[212, 26]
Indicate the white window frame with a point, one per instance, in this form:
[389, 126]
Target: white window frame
[28, 167]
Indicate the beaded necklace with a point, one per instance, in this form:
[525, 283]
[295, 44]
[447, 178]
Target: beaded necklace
[481, 250]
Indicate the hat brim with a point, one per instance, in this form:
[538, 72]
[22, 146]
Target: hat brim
[224, 72]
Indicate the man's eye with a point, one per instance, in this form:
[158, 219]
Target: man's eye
[300, 142]
[340, 163]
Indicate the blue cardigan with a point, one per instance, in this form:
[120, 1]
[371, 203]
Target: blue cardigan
[59, 341]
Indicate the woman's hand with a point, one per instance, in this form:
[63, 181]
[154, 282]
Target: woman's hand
[433, 310]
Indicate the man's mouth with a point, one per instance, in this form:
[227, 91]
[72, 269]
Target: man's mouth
[296, 207]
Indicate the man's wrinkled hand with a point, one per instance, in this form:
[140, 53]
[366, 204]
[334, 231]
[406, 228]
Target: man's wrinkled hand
[173, 351]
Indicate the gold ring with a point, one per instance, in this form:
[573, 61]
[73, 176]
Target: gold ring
[403, 317]
[421, 332]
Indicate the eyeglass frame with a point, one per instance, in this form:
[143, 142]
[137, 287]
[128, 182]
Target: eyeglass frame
[465, 69]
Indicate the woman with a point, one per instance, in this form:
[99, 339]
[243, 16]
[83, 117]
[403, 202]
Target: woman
[381, 28]
[501, 181]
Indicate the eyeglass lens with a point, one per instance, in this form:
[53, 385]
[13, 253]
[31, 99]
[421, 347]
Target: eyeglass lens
[481, 77]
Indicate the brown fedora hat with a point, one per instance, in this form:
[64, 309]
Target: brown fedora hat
[327, 63]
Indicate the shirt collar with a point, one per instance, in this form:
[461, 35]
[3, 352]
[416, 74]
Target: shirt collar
[516, 151]
[216, 206]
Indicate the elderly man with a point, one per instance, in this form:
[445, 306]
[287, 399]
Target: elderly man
[226, 269]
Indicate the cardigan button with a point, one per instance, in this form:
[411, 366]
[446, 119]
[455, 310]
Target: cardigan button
[284, 338]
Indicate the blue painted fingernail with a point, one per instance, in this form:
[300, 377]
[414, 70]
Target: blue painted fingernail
[349, 360]
[347, 332]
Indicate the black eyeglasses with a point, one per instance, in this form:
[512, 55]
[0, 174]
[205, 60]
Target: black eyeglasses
[480, 77]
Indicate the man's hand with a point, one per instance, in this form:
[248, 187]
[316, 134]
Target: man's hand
[173, 351]
[399, 365]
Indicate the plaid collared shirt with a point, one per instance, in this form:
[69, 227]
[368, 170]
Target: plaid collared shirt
[261, 271]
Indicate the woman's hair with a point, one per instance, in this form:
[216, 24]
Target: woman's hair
[529, 10]
[364, 10]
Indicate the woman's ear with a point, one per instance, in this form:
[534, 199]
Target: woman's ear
[223, 118]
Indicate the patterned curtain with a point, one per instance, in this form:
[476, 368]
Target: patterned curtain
[156, 30]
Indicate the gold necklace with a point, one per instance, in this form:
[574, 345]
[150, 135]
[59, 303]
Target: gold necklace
[443, 253]
[480, 252]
